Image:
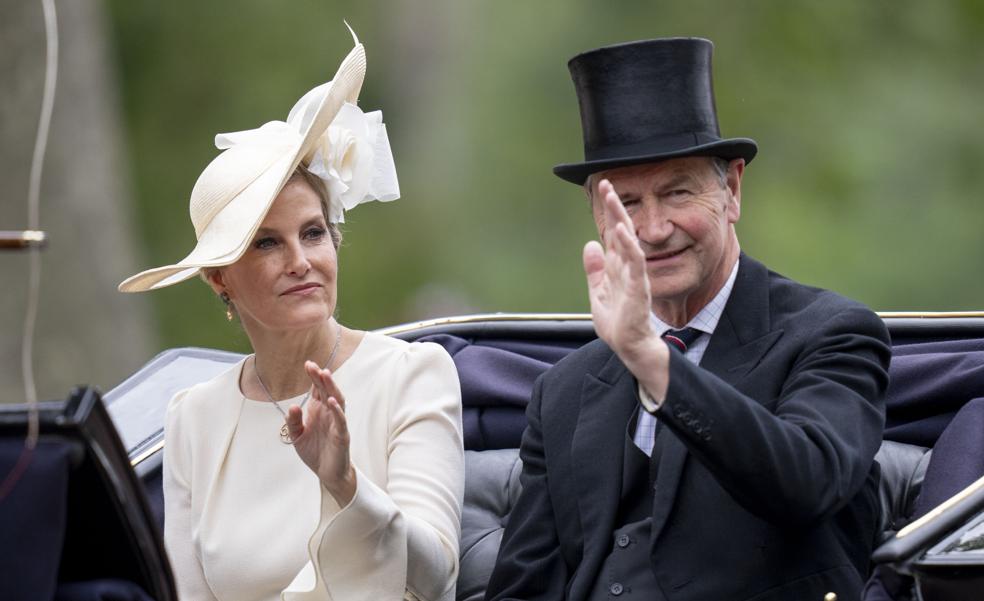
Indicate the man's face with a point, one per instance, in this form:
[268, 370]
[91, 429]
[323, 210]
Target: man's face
[684, 216]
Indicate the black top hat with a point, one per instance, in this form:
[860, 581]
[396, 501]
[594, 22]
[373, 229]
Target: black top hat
[647, 101]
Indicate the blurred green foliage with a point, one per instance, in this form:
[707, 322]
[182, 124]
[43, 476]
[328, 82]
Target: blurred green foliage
[867, 115]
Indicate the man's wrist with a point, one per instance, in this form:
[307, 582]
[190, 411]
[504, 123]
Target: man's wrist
[650, 404]
[649, 363]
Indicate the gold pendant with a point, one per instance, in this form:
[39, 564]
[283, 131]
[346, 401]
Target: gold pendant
[285, 435]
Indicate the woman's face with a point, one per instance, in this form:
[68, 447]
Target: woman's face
[287, 278]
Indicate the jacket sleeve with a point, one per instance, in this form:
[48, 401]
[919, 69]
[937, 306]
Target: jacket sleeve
[803, 457]
[401, 540]
[530, 565]
[178, 524]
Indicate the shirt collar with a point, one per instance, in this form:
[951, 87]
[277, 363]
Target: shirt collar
[708, 317]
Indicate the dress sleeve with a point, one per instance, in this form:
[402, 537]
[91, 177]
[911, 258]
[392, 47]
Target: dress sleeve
[402, 541]
[188, 575]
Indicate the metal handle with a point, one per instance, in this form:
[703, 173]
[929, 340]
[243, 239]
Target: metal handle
[18, 240]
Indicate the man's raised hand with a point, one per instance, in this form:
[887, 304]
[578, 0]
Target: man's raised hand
[618, 286]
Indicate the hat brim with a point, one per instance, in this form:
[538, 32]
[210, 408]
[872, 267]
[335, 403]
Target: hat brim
[729, 149]
[228, 234]
[218, 244]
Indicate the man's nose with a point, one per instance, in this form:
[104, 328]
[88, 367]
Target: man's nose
[652, 224]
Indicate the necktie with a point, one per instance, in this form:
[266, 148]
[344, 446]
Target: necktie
[682, 339]
[645, 434]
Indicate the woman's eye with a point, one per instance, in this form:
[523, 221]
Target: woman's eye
[314, 233]
[264, 243]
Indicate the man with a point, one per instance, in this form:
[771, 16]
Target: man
[731, 459]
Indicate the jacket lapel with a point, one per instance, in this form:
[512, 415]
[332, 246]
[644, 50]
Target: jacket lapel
[607, 402]
[743, 334]
[741, 339]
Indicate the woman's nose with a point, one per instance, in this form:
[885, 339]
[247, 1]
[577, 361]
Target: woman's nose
[297, 260]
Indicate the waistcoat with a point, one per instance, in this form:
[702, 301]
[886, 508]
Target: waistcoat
[626, 573]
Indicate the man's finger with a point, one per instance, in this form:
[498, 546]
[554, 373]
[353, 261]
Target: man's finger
[606, 233]
[627, 247]
[609, 198]
[593, 257]
[615, 212]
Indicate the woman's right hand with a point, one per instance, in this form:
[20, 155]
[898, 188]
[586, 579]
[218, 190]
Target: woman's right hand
[321, 436]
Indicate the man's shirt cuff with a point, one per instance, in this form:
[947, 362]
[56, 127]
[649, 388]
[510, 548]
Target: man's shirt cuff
[648, 402]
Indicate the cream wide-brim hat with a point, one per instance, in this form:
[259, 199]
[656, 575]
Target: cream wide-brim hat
[235, 191]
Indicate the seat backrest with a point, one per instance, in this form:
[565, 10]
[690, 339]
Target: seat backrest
[498, 362]
[491, 490]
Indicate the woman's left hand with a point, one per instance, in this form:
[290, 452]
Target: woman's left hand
[321, 436]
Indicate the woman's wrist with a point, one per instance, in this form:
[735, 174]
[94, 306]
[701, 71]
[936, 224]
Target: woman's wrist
[342, 489]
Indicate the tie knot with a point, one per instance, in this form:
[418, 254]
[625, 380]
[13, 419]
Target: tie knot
[682, 339]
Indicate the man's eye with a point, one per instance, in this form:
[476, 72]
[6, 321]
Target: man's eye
[679, 192]
[264, 243]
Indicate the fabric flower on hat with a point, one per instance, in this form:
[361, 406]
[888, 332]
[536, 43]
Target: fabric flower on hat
[354, 159]
[353, 156]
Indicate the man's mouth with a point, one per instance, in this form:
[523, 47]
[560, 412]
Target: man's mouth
[665, 255]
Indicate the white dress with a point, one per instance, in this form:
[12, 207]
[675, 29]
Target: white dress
[246, 520]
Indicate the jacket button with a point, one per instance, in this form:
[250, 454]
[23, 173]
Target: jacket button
[622, 540]
[616, 589]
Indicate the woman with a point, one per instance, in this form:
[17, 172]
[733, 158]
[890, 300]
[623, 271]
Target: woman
[328, 464]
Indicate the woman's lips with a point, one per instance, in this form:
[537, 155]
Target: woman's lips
[301, 290]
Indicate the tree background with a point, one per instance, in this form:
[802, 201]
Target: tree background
[867, 116]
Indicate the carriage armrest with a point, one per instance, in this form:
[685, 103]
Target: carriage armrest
[903, 468]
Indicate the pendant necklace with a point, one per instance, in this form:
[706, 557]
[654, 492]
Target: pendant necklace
[284, 432]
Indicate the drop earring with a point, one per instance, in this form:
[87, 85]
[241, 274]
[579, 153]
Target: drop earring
[228, 303]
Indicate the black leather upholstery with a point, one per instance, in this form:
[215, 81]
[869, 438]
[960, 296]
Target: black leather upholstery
[491, 489]
[903, 468]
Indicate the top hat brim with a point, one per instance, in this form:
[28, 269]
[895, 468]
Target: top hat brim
[728, 149]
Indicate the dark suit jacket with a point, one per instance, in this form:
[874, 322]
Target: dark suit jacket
[766, 487]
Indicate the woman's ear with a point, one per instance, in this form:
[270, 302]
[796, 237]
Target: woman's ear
[214, 278]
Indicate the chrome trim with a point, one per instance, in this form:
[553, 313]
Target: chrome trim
[464, 319]
[157, 446]
[461, 319]
[930, 314]
[939, 509]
